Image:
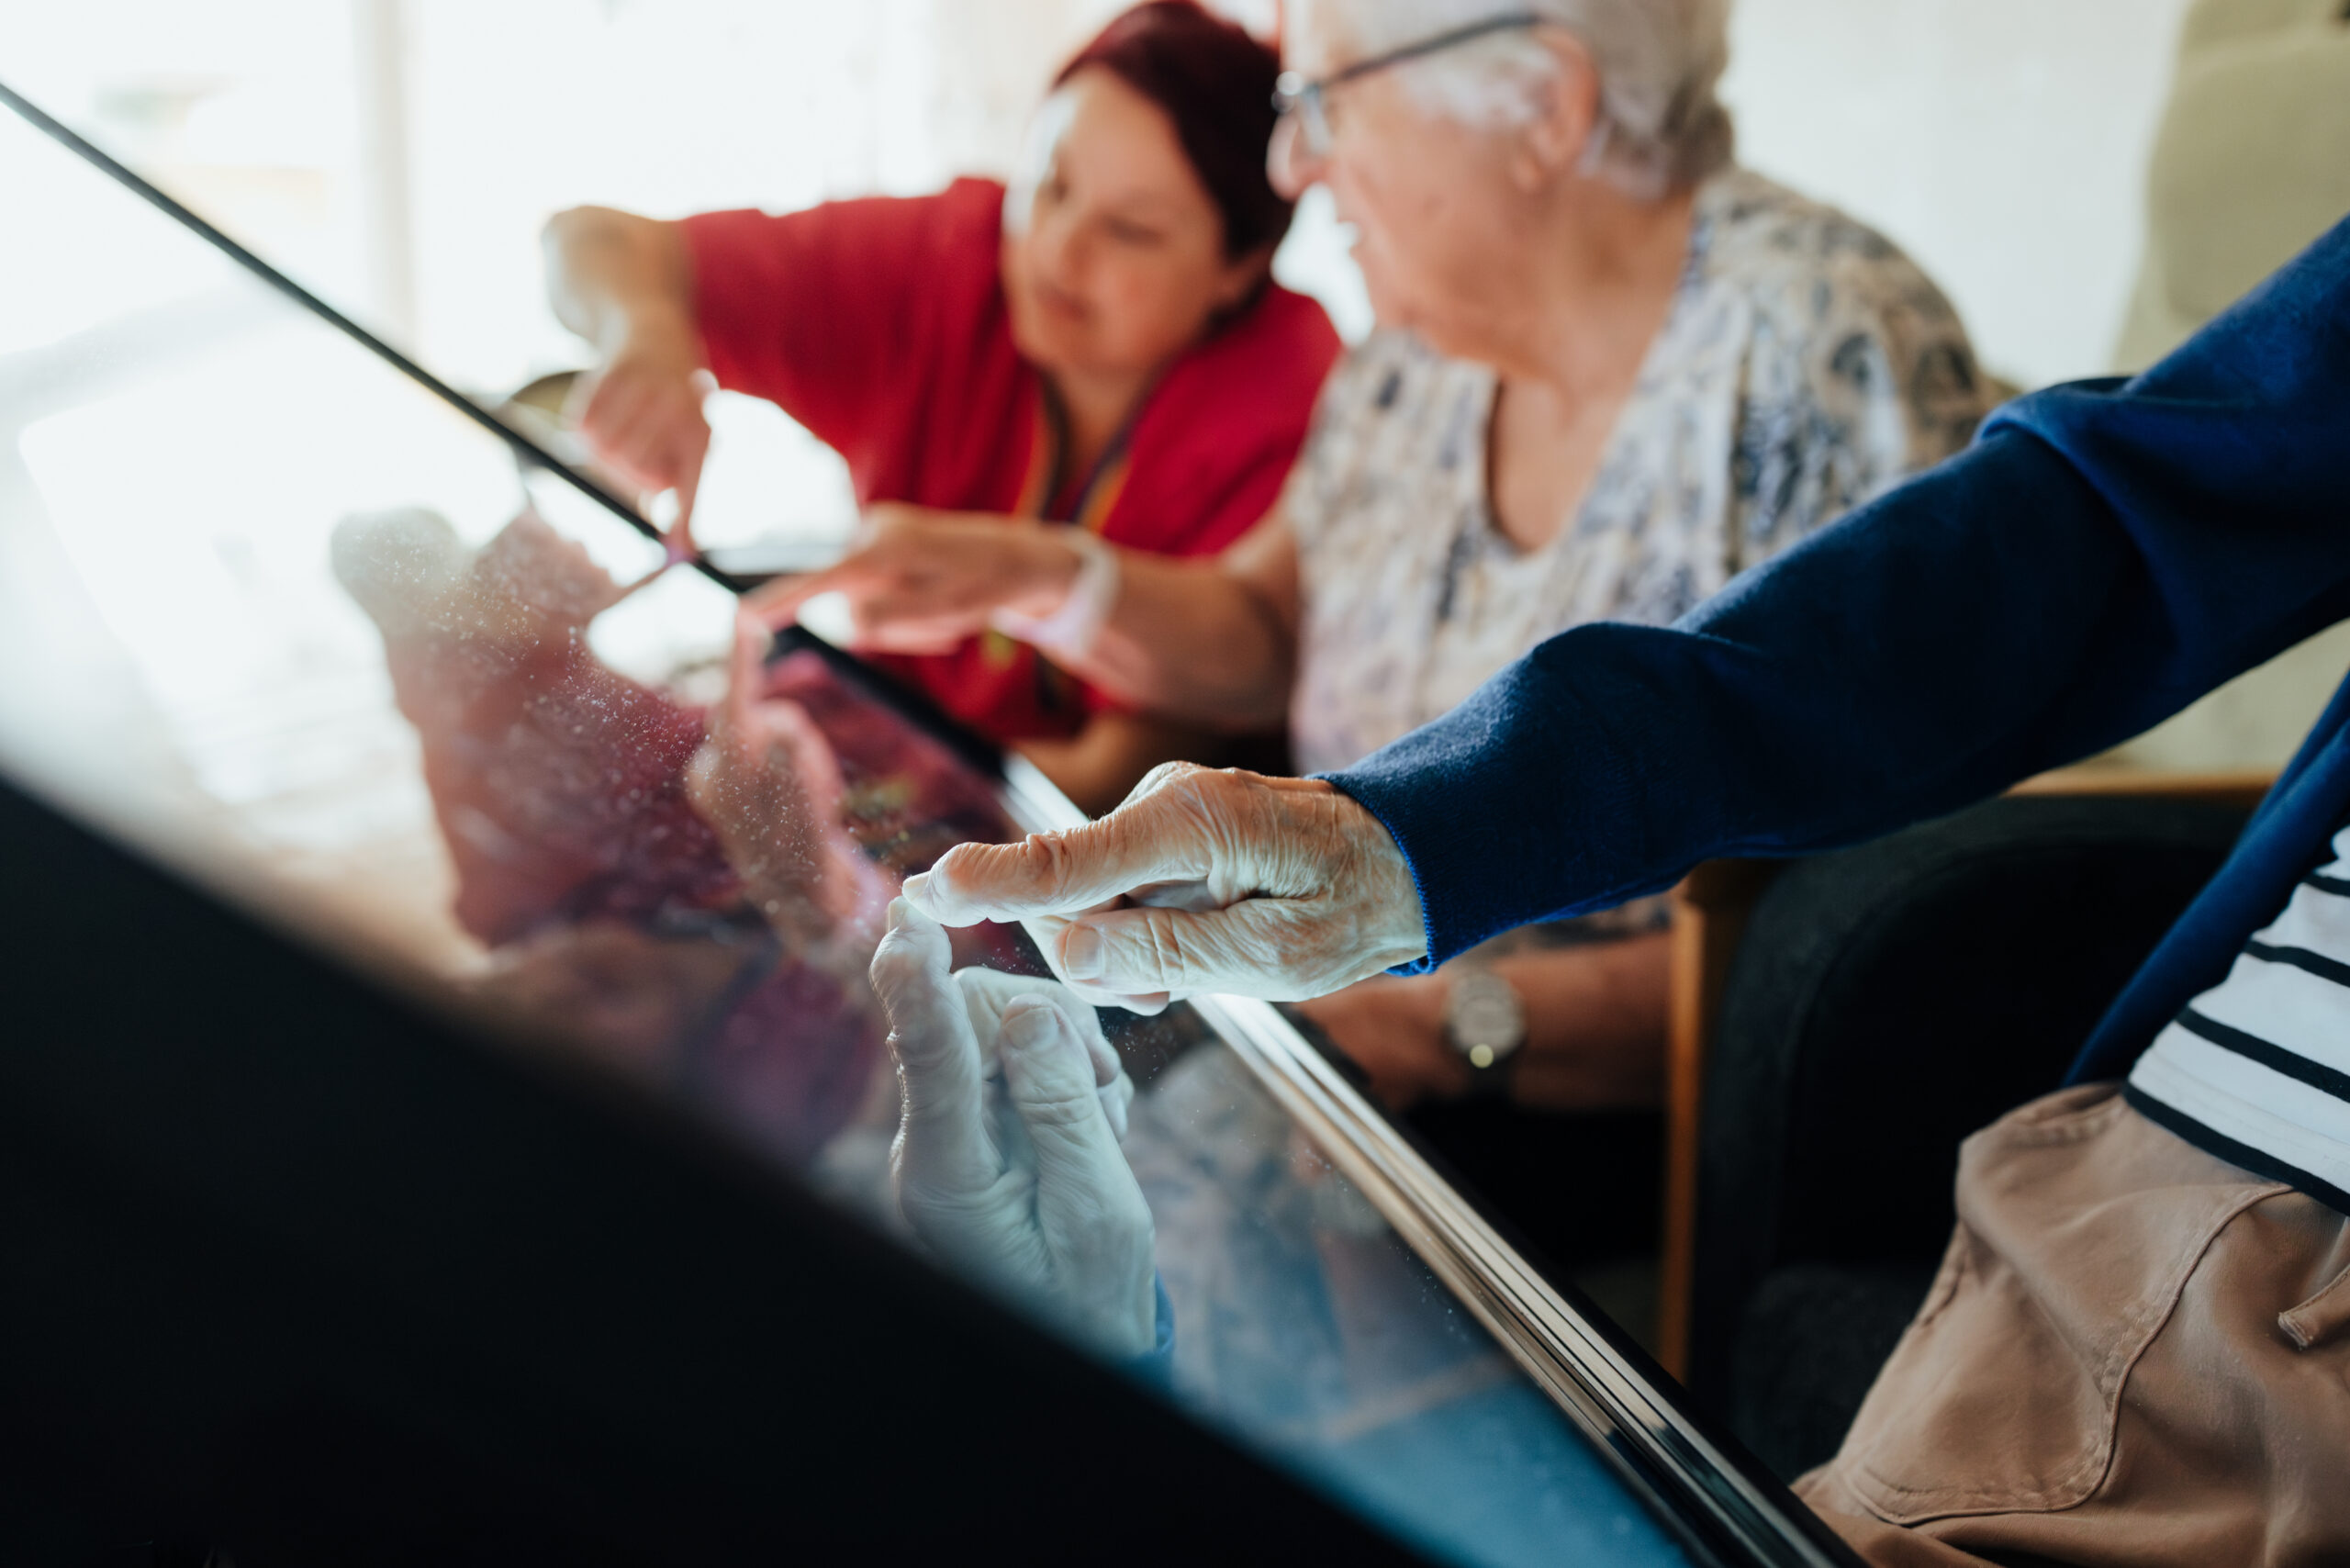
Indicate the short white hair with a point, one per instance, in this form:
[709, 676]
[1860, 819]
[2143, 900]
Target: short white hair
[1663, 128]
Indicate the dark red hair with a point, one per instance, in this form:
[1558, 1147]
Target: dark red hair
[1215, 83]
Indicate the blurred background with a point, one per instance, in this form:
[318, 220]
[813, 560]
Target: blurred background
[398, 156]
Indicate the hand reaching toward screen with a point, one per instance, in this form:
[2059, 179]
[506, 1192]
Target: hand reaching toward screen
[1019, 1180]
[920, 581]
[1203, 880]
[641, 418]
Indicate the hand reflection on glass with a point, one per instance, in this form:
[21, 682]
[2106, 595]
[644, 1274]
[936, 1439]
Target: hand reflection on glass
[637, 906]
[1007, 1161]
[558, 783]
[620, 993]
[767, 783]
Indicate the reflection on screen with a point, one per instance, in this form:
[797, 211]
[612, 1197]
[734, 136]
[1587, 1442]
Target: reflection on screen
[301, 625]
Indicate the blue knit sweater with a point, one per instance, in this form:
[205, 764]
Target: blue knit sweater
[2103, 555]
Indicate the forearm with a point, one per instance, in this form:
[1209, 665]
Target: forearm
[613, 277]
[1595, 1028]
[1192, 642]
[2074, 578]
[2105, 554]
[1595, 1024]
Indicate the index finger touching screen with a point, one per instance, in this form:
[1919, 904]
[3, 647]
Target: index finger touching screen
[1202, 881]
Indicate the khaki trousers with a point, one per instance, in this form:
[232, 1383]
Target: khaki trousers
[2135, 1353]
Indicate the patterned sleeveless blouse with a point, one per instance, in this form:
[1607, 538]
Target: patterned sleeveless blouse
[1805, 366]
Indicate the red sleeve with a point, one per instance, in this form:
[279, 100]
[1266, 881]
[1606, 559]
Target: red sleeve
[1212, 453]
[824, 310]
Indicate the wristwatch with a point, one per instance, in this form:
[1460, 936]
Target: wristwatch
[1484, 1021]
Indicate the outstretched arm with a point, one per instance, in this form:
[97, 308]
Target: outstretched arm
[1212, 642]
[625, 284]
[1205, 641]
[2105, 554]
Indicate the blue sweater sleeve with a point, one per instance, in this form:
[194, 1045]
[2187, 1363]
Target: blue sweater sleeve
[1155, 1366]
[2102, 556]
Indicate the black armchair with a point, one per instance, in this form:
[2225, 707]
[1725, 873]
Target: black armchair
[1884, 1002]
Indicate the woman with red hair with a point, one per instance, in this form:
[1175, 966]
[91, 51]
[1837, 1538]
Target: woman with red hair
[1096, 352]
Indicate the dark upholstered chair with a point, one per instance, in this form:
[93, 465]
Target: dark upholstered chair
[1884, 1002]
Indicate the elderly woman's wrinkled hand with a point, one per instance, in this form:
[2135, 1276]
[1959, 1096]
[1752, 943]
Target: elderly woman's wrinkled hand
[1202, 881]
[1007, 1161]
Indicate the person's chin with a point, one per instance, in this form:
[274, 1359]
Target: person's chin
[1047, 339]
[1400, 311]
[1393, 311]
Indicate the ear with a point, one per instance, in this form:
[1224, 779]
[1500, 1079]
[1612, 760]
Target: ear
[1552, 144]
[1242, 276]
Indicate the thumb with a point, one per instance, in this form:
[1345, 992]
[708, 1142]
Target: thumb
[1259, 947]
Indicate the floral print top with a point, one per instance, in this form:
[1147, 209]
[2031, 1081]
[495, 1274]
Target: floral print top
[1805, 364]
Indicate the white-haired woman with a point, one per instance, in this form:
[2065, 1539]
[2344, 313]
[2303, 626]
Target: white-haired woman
[1614, 370]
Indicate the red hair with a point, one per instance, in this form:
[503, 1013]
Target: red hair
[1215, 82]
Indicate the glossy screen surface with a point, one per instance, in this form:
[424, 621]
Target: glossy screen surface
[283, 617]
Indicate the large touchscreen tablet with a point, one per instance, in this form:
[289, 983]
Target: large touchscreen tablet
[317, 631]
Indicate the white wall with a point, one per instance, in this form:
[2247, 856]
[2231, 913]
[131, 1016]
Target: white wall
[2001, 142]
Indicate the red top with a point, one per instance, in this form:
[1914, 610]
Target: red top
[881, 324]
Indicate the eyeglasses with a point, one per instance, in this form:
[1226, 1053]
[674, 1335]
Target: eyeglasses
[1300, 102]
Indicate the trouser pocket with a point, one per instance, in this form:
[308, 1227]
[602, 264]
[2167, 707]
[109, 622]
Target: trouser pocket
[2079, 1223]
[2318, 1321]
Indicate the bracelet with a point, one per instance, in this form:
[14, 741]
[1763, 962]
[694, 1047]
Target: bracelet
[1069, 633]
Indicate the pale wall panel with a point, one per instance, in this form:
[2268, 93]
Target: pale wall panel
[2002, 142]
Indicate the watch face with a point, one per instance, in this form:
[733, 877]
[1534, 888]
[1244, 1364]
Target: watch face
[1486, 1019]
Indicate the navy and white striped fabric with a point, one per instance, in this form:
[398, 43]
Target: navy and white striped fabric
[2256, 1070]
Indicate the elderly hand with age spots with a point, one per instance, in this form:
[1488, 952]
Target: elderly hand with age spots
[1204, 881]
[1007, 1161]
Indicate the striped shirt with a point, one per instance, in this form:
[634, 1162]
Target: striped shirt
[2256, 1070]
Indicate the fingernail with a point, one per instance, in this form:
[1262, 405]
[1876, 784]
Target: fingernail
[1081, 953]
[1029, 1024]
